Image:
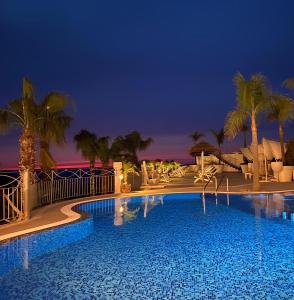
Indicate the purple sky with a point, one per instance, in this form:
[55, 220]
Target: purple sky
[163, 68]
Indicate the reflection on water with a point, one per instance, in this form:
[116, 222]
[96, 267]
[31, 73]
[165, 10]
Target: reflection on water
[122, 213]
[261, 205]
[273, 206]
[150, 202]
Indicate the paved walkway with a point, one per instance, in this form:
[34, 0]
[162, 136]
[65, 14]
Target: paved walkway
[61, 213]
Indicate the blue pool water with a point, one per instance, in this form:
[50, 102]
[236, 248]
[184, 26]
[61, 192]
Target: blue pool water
[159, 247]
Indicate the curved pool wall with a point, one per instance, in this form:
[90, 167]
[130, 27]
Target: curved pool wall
[175, 246]
[20, 251]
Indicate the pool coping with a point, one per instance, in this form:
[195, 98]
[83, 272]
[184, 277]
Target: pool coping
[70, 216]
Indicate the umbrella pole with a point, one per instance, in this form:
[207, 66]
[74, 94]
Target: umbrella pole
[265, 166]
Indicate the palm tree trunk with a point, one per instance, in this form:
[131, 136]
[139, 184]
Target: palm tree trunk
[27, 168]
[92, 178]
[256, 184]
[27, 152]
[245, 140]
[281, 135]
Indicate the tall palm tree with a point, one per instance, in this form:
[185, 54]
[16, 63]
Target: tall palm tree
[22, 113]
[52, 122]
[86, 142]
[281, 111]
[45, 121]
[127, 147]
[252, 99]
[244, 129]
[219, 138]
[195, 136]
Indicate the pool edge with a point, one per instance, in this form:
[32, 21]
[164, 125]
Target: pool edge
[73, 216]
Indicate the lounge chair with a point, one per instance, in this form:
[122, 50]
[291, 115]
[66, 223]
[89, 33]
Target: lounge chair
[206, 175]
[164, 178]
[179, 172]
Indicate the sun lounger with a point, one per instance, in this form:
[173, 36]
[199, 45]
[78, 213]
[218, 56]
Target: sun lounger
[164, 178]
[179, 172]
[206, 175]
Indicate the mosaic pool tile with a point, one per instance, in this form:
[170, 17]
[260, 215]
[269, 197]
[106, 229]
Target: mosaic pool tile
[171, 248]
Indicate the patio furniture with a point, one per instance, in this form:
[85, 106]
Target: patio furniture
[206, 175]
[179, 172]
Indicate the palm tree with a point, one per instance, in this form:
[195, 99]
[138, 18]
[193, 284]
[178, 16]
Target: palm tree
[22, 113]
[219, 138]
[86, 142]
[251, 101]
[104, 150]
[126, 147]
[51, 125]
[195, 136]
[244, 129]
[281, 111]
[45, 121]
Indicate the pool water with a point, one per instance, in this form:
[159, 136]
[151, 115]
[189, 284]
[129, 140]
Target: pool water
[176, 246]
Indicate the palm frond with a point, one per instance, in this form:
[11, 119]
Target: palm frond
[196, 135]
[259, 92]
[86, 142]
[27, 89]
[104, 150]
[234, 122]
[55, 102]
[281, 109]
[6, 121]
[218, 135]
[144, 144]
[46, 159]
[251, 94]
[242, 92]
[289, 83]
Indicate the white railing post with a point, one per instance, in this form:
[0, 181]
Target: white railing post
[117, 177]
[26, 193]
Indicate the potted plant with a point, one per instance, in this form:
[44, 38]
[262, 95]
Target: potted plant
[128, 168]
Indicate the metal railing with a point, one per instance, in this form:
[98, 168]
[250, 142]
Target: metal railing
[49, 188]
[208, 181]
[74, 186]
[219, 184]
[11, 202]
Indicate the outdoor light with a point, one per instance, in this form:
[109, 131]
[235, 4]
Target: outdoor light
[121, 176]
[121, 209]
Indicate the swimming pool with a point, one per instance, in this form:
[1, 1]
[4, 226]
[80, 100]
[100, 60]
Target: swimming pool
[175, 246]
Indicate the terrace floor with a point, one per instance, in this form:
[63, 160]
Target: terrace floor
[61, 213]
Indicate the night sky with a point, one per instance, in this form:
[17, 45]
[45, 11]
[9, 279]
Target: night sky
[164, 68]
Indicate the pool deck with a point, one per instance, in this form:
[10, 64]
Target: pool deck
[61, 213]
